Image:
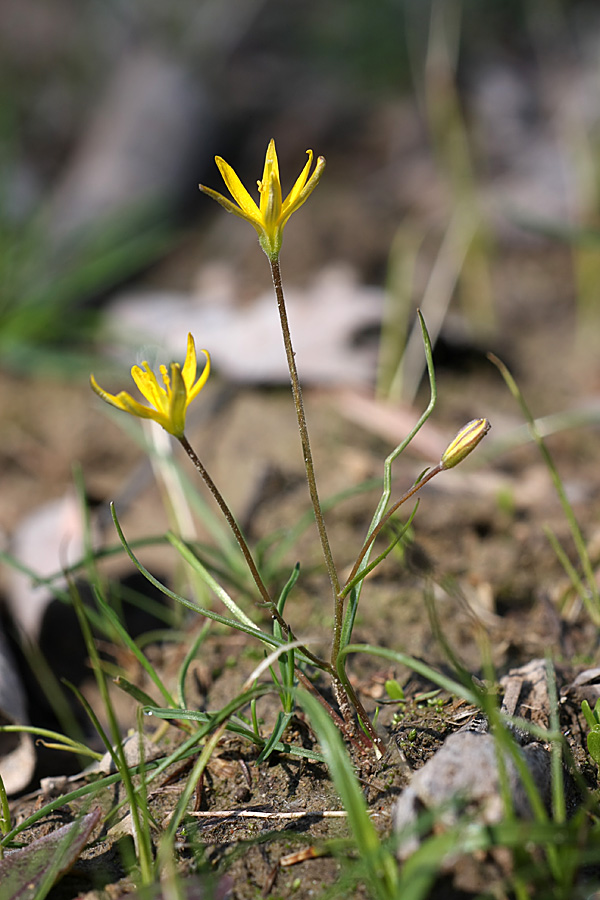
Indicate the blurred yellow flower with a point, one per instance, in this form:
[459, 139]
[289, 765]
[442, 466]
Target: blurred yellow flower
[270, 216]
[168, 401]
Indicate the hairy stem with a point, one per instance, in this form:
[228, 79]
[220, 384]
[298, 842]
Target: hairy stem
[345, 695]
[306, 451]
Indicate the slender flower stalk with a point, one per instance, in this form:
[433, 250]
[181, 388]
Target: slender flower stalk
[464, 443]
[344, 693]
[230, 518]
[268, 219]
[302, 426]
[377, 530]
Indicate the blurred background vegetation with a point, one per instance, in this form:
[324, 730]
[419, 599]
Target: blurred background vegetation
[111, 112]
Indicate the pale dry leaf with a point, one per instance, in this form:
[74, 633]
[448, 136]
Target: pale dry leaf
[48, 540]
[331, 321]
[22, 872]
[133, 756]
[17, 754]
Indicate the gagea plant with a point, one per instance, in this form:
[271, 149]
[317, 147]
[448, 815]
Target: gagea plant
[168, 398]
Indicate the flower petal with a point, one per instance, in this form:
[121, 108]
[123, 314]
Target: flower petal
[115, 400]
[237, 190]
[270, 215]
[300, 181]
[271, 162]
[148, 386]
[124, 402]
[190, 364]
[193, 392]
[177, 402]
[270, 188]
[168, 403]
[227, 204]
[270, 203]
[294, 200]
[143, 412]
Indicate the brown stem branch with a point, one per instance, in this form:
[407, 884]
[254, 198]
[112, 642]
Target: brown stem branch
[344, 692]
[348, 729]
[376, 531]
[262, 589]
[306, 451]
[349, 697]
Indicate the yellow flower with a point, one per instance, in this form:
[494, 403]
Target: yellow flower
[270, 216]
[168, 401]
[465, 441]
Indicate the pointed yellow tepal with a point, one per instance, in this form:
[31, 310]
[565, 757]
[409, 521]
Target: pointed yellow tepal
[269, 216]
[168, 401]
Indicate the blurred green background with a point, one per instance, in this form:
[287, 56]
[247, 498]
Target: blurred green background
[111, 112]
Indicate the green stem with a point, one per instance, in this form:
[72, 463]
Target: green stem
[373, 535]
[387, 466]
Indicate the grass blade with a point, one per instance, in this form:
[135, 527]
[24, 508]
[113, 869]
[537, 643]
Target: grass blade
[381, 869]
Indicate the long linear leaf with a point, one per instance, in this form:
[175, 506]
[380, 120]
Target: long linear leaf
[448, 684]
[236, 727]
[380, 866]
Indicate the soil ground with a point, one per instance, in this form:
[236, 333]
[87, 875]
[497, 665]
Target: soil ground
[478, 545]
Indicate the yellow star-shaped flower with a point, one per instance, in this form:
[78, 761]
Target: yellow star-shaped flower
[168, 401]
[270, 215]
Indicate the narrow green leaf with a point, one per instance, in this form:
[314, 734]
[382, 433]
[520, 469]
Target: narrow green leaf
[281, 724]
[593, 744]
[381, 868]
[133, 691]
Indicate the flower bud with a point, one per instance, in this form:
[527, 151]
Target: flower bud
[466, 440]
